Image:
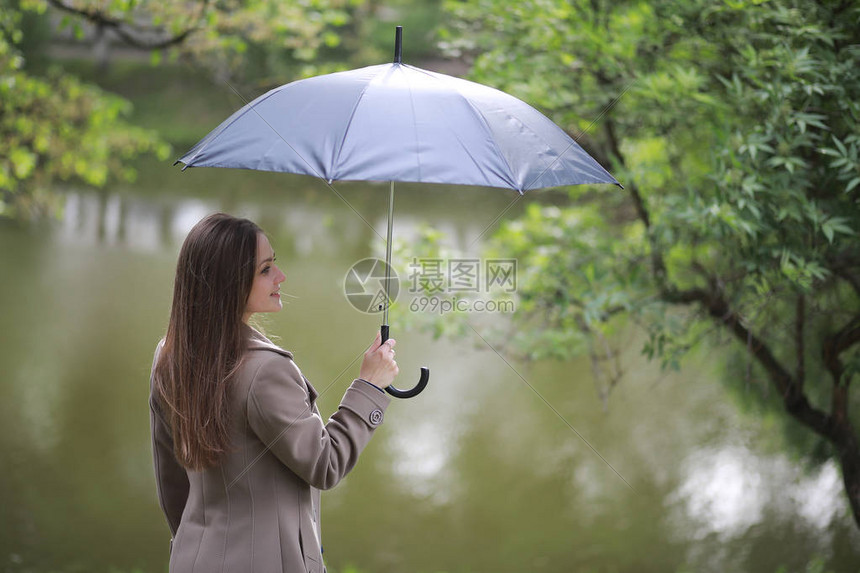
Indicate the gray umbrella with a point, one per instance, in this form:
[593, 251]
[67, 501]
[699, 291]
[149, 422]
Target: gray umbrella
[395, 122]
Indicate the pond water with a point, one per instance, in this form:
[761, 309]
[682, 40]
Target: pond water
[495, 468]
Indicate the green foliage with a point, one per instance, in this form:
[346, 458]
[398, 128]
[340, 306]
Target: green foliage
[736, 123]
[57, 128]
[427, 245]
[222, 35]
[419, 19]
[562, 253]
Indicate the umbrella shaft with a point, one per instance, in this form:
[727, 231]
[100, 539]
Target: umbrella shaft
[388, 254]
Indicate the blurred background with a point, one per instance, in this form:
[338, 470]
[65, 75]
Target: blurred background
[601, 427]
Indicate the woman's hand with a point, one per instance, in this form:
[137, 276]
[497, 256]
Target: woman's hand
[378, 366]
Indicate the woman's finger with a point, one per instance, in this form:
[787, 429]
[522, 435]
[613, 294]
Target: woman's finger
[376, 343]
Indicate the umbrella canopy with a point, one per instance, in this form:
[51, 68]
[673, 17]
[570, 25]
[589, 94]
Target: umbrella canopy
[396, 122]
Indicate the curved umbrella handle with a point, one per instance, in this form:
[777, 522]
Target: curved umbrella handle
[422, 380]
[422, 383]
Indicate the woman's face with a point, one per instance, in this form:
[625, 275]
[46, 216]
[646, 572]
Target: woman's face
[264, 295]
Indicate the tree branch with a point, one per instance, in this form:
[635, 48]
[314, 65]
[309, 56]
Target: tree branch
[800, 313]
[794, 400]
[845, 275]
[833, 346]
[658, 266]
[842, 264]
[836, 344]
[122, 29]
[561, 297]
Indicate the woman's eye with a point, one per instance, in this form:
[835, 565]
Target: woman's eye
[265, 271]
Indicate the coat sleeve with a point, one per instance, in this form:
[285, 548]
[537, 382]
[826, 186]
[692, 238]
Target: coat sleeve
[171, 480]
[281, 414]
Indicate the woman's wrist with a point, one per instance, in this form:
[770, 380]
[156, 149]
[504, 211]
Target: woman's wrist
[371, 383]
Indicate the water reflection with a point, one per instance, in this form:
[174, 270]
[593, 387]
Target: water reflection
[477, 474]
[818, 498]
[723, 492]
[118, 219]
[38, 399]
[424, 450]
[728, 490]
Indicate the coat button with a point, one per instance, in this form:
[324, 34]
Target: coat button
[376, 417]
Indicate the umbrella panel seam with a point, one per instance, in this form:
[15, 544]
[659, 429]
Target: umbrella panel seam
[251, 107]
[414, 126]
[486, 124]
[336, 159]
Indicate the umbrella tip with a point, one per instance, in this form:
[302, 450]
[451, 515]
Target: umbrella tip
[398, 44]
[619, 184]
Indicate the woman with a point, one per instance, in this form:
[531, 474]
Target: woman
[239, 447]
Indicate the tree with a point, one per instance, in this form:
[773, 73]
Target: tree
[225, 36]
[733, 126]
[55, 127]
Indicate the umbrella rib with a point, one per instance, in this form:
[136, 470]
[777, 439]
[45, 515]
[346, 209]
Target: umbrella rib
[436, 75]
[329, 185]
[336, 159]
[603, 112]
[511, 179]
[414, 126]
[467, 152]
[510, 175]
[261, 99]
[526, 127]
[444, 116]
[275, 131]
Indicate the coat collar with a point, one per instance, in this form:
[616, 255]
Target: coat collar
[257, 341]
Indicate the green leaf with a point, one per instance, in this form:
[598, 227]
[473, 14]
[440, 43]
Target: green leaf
[836, 225]
[839, 144]
[23, 162]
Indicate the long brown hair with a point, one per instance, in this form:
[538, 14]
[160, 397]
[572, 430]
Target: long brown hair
[204, 344]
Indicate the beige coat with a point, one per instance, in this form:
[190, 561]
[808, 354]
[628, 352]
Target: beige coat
[258, 511]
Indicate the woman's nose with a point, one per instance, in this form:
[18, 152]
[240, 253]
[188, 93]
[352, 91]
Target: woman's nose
[281, 277]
